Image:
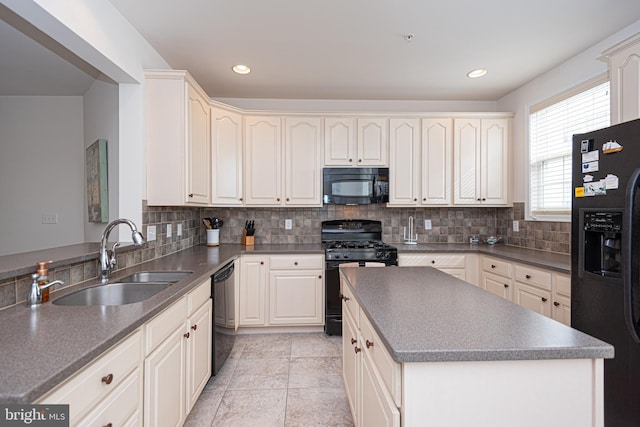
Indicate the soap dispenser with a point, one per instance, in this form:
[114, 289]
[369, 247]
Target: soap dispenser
[43, 273]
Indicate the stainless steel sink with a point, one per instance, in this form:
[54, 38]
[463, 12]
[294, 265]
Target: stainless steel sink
[155, 276]
[113, 294]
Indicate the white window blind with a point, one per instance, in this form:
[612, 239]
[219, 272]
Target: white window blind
[551, 129]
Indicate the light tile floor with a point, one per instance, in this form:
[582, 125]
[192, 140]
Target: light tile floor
[277, 380]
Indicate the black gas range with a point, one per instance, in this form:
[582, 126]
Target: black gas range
[349, 241]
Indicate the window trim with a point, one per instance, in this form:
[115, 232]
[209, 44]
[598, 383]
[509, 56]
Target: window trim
[575, 90]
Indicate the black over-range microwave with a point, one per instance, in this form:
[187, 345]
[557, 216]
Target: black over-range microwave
[355, 186]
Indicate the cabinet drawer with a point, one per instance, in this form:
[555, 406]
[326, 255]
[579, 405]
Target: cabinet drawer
[161, 326]
[496, 266]
[349, 302]
[198, 296]
[432, 260]
[120, 407]
[388, 369]
[562, 284]
[89, 386]
[533, 276]
[293, 262]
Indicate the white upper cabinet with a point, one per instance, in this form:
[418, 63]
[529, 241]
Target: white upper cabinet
[340, 144]
[178, 138]
[303, 151]
[263, 160]
[437, 144]
[226, 157]
[266, 183]
[372, 142]
[420, 162]
[624, 72]
[404, 161]
[355, 142]
[481, 162]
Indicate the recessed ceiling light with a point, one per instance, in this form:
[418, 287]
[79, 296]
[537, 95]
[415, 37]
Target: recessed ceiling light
[241, 69]
[477, 73]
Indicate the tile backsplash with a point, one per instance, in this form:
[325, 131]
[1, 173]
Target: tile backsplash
[449, 225]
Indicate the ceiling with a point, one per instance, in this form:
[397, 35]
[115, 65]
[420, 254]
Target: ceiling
[357, 49]
[34, 64]
[334, 49]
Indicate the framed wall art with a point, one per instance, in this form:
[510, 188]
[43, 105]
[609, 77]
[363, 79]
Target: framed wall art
[97, 184]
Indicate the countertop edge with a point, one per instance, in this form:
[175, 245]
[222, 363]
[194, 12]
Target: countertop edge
[605, 350]
[206, 267]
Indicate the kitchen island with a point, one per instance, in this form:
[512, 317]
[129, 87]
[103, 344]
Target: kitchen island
[423, 348]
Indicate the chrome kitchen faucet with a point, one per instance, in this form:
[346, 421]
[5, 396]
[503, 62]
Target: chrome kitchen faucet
[108, 257]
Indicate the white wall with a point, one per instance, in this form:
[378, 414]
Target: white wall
[578, 69]
[101, 122]
[41, 171]
[96, 32]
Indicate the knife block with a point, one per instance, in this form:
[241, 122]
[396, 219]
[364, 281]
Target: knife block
[247, 240]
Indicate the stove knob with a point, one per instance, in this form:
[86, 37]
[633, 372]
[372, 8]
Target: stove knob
[379, 255]
[346, 255]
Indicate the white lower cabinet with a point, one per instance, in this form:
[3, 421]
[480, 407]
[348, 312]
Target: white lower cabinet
[281, 290]
[533, 288]
[544, 291]
[164, 380]
[561, 296]
[453, 264]
[108, 390]
[372, 379]
[153, 377]
[178, 361]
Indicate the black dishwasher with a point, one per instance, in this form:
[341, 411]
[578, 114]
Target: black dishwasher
[224, 316]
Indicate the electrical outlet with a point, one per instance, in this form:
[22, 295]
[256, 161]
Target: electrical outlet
[516, 225]
[168, 230]
[179, 230]
[151, 233]
[288, 224]
[427, 224]
[49, 218]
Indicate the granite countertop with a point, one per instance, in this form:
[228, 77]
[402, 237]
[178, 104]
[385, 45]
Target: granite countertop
[425, 315]
[542, 259]
[42, 347]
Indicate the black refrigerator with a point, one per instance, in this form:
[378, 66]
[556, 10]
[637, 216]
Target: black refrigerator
[605, 249]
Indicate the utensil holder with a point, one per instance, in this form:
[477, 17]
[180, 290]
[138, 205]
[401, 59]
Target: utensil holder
[213, 237]
[247, 240]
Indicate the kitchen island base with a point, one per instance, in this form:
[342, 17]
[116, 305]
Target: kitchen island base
[523, 393]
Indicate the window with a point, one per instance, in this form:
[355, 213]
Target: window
[551, 128]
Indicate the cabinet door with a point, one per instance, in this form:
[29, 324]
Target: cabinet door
[351, 362]
[263, 161]
[303, 175]
[378, 408]
[533, 298]
[562, 309]
[372, 142]
[497, 285]
[466, 165]
[198, 179]
[437, 141]
[226, 158]
[340, 141]
[295, 298]
[253, 283]
[494, 168]
[164, 383]
[198, 353]
[624, 71]
[404, 152]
